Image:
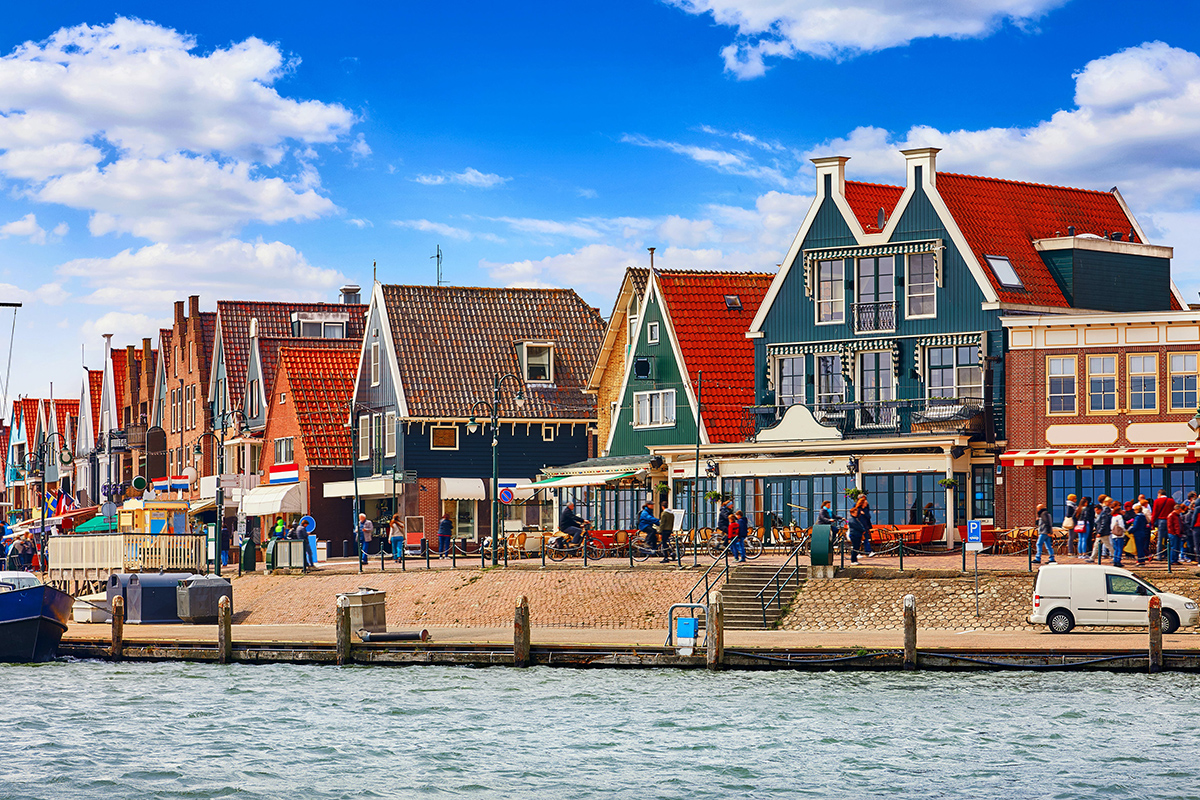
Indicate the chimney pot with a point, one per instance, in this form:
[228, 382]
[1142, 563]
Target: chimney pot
[179, 315]
[1070, 230]
[351, 294]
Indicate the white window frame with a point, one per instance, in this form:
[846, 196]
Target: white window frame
[660, 400]
[374, 363]
[339, 327]
[525, 363]
[651, 333]
[255, 399]
[287, 444]
[797, 379]
[311, 334]
[1114, 376]
[837, 303]
[454, 428]
[1193, 373]
[547, 432]
[909, 295]
[1073, 374]
[389, 434]
[632, 313]
[364, 437]
[1130, 375]
[825, 398]
[958, 384]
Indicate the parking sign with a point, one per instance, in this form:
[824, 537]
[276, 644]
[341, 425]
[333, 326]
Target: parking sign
[974, 535]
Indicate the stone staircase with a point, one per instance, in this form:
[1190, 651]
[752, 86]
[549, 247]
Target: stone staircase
[743, 610]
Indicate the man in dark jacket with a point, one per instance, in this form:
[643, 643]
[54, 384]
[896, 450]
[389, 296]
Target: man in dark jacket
[723, 517]
[1164, 504]
[572, 523]
[648, 524]
[1103, 534]
[666, 525]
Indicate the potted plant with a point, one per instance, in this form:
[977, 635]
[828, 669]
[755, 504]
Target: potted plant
[714, 496]
[852, 493]
[947, 483]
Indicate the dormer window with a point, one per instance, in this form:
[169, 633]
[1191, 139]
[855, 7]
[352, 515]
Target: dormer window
[319, 325]
[1002, 268]
[537, 361]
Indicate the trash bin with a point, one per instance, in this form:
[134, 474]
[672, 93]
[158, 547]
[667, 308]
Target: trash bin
[196, 598]
[151, 597]
[118, 584]
[284, 554]
[822, 546]
[249, 555]
[367, 610]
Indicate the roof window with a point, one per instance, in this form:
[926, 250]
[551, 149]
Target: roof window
[733, 302]
[1002, 268]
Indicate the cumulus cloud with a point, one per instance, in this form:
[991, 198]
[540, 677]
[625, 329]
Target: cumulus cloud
[125, 326]
[360, 223]
[27, 226]
[727, 161]
[468, 177]
[844, 28]
[359, 147]
[442, 229]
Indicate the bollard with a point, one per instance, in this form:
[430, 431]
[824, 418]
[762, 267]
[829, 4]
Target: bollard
[714, 623]
[1028, 550]
[404, 554]
[118, 628]
[224, 631]
[343, 631]
[1156, 656]
[454, 553]
[963, 547]
[521, 633]
[543, 549]
[910, 632]
[425, 547]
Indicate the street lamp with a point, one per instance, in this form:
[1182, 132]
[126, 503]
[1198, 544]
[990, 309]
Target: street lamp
[359, 539]
[473, 425]
[198, 450]
[35, 459]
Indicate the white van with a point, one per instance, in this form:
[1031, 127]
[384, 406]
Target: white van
[1066, 595]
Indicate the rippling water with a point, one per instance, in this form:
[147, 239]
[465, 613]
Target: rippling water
[97, 730]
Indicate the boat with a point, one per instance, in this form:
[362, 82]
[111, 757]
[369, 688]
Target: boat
[33, 618]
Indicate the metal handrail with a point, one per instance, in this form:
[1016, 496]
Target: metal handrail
[763, 603]
[708, 584]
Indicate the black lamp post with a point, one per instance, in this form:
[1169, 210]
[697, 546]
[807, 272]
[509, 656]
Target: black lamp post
[473, 425]
[198, 450]
[35, 459]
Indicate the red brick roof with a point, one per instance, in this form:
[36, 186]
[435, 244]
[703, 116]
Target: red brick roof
[321, 378]
[274, 319]
[866, 199]
[4, 433]
[95, 384]
[713, 339]
[28, 410]
[452, 341]
[63, 409]
[269, 349]
[118, 367]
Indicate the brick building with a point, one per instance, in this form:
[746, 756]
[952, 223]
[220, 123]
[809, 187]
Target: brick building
[608, 375]
[1098, 404]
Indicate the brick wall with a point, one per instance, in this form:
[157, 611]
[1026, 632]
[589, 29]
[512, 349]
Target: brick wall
[609, 389]
[189, 362]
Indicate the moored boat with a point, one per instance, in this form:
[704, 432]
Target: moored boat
[33, 617]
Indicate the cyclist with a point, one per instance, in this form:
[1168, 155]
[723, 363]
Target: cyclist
[648, 524]
[572, 523]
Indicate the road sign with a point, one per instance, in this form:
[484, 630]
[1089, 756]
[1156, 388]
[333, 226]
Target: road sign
[974, 535]
[506, 495]
[139, 483]
[230, 481]
[108, 510]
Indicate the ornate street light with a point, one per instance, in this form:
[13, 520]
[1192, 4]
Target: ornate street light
[492, 409]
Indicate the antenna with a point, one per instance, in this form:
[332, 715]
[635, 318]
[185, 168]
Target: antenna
[438, 257]
[374, 280]
[651, 249]
[8, 370]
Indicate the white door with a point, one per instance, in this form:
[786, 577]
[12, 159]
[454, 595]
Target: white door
[1128, 600]
[1089, 596]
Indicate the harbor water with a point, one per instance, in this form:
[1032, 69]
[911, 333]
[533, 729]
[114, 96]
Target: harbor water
[178, 730]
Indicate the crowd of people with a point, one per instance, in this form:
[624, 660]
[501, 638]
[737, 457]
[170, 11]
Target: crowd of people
[1159, 530]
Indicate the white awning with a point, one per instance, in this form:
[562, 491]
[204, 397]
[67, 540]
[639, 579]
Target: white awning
[284, 498]
[377, 486]
[463, 489]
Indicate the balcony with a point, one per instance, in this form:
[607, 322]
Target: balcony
[921, 417]
[874, 317]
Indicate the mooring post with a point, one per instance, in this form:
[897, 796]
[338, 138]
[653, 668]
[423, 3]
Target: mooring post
[343, 630]
[910, 632]
[224, 631]
[118, 628]
[1156, 656]
[714, 623]
[521, 633]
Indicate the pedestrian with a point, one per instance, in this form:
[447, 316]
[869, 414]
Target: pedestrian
[1190, 523]
[928, 518]
[867, 549]
[1117, 534]
[445, 534]
[1164, 504]
[571, 523]
[365, 532]
[857, 525]
[280, 529]
[301, 532]
[648, 524]
[1102, 533]
[1045, 539]
[1139, 528]
[1069, 524]
[825, 515]
[1085, 523]
[723, 516]
[396, 535]
[739, 529]
[666, 525]
[1175, 536]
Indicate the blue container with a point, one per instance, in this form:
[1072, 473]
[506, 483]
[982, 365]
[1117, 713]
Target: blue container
[686, 627]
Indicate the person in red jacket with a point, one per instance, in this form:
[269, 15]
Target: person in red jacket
[1175, 535]
[1164, 504]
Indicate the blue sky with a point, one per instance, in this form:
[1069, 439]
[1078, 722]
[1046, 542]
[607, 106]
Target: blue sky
[275, 151]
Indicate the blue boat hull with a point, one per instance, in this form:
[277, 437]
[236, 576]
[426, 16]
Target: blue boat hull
[32, 622]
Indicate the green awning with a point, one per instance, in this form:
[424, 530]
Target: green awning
[97, 524]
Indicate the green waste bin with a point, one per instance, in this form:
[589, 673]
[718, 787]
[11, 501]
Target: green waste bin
[249, 555]
[821, 551]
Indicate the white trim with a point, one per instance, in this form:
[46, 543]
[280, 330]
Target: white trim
[652, 336]
[650, 393]
[390, 432]
[376, 363]
[390, 350]
[908, 282]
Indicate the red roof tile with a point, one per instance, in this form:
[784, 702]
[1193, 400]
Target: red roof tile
[28, 411]
[4, 433]
[95, 384]
[63, 409]
[269, 348]
[866, 199]
[713, 339]
[118, 367]
[321, 377]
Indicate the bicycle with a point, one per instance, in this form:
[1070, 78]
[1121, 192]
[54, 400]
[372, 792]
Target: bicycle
[561, 549]
[718, 541]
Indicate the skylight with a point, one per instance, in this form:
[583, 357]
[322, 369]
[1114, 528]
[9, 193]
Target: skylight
[1002, 268]
[733, 302]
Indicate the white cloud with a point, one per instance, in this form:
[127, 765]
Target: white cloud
[51, 294]
[842, 28]
[125, 326]
[576, 230]
[468, 177]
[729, 162]
[589, 194]
[360, 223]
[26, 226]
[442, 229]
[676, 230]
[359, 147]
[593, 268]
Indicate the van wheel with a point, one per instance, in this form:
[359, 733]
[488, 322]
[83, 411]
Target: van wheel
[1061, 621]
[1169, 621]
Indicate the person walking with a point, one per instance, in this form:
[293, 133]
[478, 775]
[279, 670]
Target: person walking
[1045, 539]
[867, 548]
[364, 532]
[1103, 531]
[280, 529]
[1164, 504]
[396, 536]
[666, 526]
[445, 534]
[1069, 525]
[857, 526]
[1117, 534]
[1189, 524]
[1085, 523]
[1139, 528]
[739, 529]
[1174, 537]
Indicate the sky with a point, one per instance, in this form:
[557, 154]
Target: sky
[269, 151]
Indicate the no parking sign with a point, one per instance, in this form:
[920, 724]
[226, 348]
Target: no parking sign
[505, 496]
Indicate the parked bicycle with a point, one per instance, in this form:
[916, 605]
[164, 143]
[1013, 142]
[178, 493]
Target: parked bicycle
[561, 548]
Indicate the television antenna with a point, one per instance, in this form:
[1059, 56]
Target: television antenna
[438, 257]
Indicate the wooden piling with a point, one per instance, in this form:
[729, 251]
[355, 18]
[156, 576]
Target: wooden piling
[910, 632]
[118, 628]
[224, 631]
[521, 633]
[1156, 655]
[343, 630]
[714, 623]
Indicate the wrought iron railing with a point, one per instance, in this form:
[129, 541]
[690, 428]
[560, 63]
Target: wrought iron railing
[885, 417]
[870, 317]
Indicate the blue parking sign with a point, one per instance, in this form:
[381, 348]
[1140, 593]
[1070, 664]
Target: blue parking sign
[974, 535]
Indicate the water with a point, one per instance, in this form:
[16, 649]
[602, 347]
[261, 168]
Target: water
[97, 730]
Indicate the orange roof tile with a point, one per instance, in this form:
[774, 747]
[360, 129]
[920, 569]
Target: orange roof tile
[95, 381]
[321, 378]
[866, 199]
[118, 367]
[713, 339]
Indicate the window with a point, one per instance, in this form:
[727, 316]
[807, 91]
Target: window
[310, 330]
[1060, 389]
[954, 372]
[191, 356]
[1183, 381]
[547, 433]
[282, 398]
[335, 330]
[284, 452]
[875, 387]
[733, 302]
[654, 409]
[443, 438]
[632, 314]
[791, 381]
[255, 400]
[1002, 268]
[374, 363]
[1123, 584]
[539, 363]
[652, 333]
[831, 290]
[830, 386]
[364, 437]
[921, 287]
[1102, 383]
[1143, 382]
[983, 491]
[389, 436]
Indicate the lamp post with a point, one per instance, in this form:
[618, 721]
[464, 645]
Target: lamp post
[473, 426]
[359, 540]
[198, 450]
[36, 459]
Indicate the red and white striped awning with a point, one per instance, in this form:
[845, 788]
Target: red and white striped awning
[1098, 456]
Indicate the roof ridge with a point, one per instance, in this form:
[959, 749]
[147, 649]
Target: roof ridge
[717, 272]
[877, 185]
[480, 288]
[1027, 183]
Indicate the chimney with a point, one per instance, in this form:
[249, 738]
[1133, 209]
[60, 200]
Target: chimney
[129, 362]
[146, 350]
[254, 327]
[926, 159]
[833, 171]
[179, 312]
[194, 305]
[350, 294]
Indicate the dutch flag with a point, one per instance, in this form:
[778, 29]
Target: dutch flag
[161, 484]
[179, 482]
[284, 473]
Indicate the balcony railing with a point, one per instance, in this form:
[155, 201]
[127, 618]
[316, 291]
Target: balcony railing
[873, 317]
[886, 418]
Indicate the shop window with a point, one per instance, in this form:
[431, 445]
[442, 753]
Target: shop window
[983, 491]
[1060, 385]
[790, 385]
[462, 514]
[921, 287]
[1183, 381]
[1143, 382]
[831, 290]
[654, 409]
[1102, 384]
